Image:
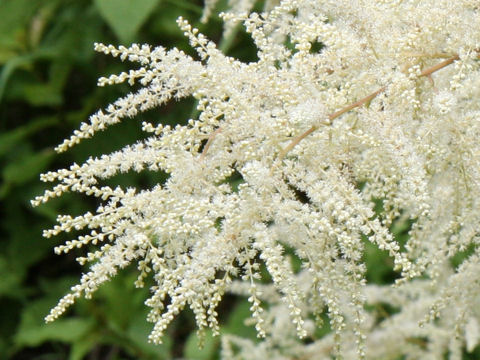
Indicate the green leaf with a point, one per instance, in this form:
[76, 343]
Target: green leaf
[125, 17]
[137, 335]
[236, 321]
[27, 167]
[83, 346]
[11, 138]
[11, 280]
[16, 14]
[48, 93]
[23, 169]
[379, 265]
[19, 62]
[207, 352]
[64, 330]
[42, 95]
[33, 331]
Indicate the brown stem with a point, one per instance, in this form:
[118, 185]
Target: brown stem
[427, 72]
[439, 66]
[209, 142]
[331, 117]
[358, 103]
[295, 141]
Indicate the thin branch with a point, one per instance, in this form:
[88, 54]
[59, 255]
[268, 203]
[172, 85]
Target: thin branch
[331, 117]
[295, 141]
[209, 142]
[439, 66]
[358, 103]
[427, 72]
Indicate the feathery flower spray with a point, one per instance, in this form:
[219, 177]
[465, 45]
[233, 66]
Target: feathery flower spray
[386, 111]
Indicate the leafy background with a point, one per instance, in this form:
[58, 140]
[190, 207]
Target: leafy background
[48, 73]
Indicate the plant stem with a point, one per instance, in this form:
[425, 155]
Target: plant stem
[368, 98]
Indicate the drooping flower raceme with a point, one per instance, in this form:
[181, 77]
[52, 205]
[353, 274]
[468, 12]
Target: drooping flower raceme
[348, 103]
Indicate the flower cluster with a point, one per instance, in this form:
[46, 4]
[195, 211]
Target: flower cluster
[349, 104]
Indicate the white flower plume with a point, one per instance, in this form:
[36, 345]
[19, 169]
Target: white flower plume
[347, 104]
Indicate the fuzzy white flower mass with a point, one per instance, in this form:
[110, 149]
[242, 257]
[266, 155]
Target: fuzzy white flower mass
[349, 104]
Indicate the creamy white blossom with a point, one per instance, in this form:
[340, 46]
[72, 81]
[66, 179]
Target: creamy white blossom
[349, 103]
